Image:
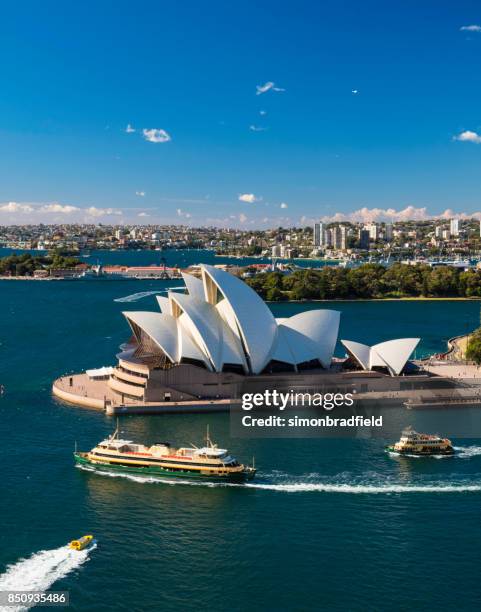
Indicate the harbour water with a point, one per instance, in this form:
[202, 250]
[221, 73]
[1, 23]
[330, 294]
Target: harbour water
[171, 257]
[327, 524]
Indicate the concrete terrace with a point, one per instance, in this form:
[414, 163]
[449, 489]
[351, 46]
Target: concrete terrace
[83, 391]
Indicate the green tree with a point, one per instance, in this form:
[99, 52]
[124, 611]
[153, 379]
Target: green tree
[473, 350]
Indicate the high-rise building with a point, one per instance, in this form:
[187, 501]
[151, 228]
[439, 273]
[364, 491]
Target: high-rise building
[318, 234]
[454, 227]
[373, 230]
[388, 232]
[364, 239]
[438, 231]
[336, 237]
[328, 237]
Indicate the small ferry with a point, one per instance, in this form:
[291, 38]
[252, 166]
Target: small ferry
[207, 462]
[414, 443]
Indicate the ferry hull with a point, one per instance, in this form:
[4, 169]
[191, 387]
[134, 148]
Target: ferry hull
[238, 477]
[391, 449]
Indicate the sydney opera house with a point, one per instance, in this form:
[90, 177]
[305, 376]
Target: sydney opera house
[219, 340]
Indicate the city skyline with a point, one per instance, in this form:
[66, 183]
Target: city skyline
[227, 116]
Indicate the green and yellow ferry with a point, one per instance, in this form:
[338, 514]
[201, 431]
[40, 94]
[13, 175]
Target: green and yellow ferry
[208, 462]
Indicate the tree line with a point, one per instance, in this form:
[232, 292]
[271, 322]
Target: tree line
[26, 263]
[368, 281]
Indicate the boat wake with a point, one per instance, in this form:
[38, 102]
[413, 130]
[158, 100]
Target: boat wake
[41, 570]
[307, 487]
[465, 452]
[397, 456]
[367, 488]
[135, 297]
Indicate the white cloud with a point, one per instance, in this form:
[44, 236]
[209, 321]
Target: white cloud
[48, 210]
[182, 213]
[250, 198]
[140, 193]
[143, 214]
[242, 218]
[470, 28]
[93, 211]
[284, 205]
[256, 128]
[269, 86]
[469, 136]
[409, 213]
[366, 215]
[14, 207]
[354, 91]
[58, 208]
[262, 113]
[156, 135]
[129, 129]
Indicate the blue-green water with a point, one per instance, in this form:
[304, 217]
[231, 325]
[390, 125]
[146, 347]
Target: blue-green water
[182, 258]
[328, 524]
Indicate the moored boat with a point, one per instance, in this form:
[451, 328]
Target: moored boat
[414, 443]
[208, 462]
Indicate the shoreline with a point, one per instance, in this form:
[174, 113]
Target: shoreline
[380, 299]
[386, 299]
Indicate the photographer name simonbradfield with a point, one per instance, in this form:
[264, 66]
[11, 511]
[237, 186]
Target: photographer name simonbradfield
[277, 421]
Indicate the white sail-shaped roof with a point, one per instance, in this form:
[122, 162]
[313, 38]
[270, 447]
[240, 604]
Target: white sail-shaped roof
[317, 331]
[208, 330]
[164, 304]
[223, 322]
[194, 285]
[254, 322]
[160, 327]
[393, 354]
[283, 351]
[188, 348]
[360, 352]
[203, 324]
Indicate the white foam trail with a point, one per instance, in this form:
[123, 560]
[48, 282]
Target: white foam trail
[465, 452]
[397, 455]
[135, 297]
[365, 488]
[305, 487]
[41, 570]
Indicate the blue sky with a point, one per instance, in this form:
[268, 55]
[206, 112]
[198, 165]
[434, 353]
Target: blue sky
[375, 98]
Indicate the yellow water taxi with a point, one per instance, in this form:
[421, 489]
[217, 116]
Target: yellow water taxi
[83, 542]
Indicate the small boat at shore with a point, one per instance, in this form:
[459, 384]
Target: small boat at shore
[419, 444]
[208, 462]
